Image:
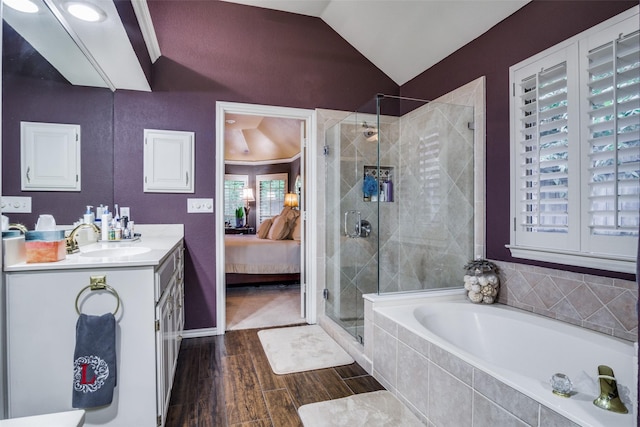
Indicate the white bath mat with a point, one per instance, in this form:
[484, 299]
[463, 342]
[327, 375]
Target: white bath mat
[301, 348]
[375, 409]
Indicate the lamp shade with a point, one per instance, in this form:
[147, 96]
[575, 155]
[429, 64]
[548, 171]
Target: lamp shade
[247, 195]
[291, 200]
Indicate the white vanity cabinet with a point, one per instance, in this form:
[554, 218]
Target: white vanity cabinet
[169, 325]
[41, 321]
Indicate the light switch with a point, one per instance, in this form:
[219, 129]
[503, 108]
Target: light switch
[15, 204]
[199, 205]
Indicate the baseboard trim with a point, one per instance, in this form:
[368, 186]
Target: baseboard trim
[204, 332]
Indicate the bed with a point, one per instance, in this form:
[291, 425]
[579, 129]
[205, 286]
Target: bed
[249, 259]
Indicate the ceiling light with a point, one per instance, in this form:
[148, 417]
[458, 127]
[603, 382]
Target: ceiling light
[26, 6]
[230, 121]
[85, 11]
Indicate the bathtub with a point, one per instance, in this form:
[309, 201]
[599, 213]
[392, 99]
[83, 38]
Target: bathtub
[519, 349]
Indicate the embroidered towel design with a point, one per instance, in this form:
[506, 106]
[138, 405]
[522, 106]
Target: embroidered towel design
[94, 361]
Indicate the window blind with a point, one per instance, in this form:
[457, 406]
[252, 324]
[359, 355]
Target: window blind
[543, 150]
[233, 185]
[271, 191]
[614, 136]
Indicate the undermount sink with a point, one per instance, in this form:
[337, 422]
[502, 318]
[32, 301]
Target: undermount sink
[116, 252]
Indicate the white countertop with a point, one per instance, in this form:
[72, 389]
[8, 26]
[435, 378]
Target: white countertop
[58, 419]
[159, 238]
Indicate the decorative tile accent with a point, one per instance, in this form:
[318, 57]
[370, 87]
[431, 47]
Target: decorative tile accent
[599, 303]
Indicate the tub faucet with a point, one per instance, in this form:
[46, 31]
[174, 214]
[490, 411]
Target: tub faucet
[72, 244]
[609, 398]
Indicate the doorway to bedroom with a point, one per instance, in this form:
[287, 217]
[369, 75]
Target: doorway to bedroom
[261, 206]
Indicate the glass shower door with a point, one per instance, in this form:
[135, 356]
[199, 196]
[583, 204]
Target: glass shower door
[351, 221]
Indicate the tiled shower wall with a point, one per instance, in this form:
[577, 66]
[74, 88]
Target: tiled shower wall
[599, 303]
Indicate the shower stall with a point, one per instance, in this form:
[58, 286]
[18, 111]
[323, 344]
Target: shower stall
[399, 202]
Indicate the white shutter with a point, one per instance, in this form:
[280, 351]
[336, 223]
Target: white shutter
[270, 197]
[233, 185]
[575, 159]
[612, 139]
[545, 162]
[614, 115]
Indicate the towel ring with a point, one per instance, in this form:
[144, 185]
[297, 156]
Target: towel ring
[99, 283]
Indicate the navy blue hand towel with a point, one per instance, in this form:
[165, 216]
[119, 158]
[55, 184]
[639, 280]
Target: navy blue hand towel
[94, 361]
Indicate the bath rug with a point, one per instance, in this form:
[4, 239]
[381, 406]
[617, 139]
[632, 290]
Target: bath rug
[375, 409]
[301, 348]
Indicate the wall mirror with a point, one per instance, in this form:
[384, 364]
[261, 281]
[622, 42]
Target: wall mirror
[39, 87]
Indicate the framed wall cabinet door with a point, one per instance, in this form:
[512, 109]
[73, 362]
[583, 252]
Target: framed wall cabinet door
[50, 157]
[168, 161]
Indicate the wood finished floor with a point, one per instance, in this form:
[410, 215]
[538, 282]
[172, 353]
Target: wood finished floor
[226, 381]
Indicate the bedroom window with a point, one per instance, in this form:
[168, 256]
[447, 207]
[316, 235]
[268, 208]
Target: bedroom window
[575, 144]
[233, 185]
[270, 198]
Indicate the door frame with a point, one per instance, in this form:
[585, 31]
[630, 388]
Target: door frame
[310, 215]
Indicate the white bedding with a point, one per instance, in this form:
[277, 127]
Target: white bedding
[247, 254]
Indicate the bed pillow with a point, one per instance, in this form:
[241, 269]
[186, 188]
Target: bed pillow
[279, 228]
[263, 230]
[296, 233]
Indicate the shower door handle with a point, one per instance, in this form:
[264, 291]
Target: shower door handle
[361, 228]
[353, 230]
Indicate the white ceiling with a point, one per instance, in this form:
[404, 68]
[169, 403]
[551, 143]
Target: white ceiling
[402, 38]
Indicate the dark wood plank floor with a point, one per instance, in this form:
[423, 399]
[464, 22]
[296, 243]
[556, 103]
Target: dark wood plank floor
[226, 381]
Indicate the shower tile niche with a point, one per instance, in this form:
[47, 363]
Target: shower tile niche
[383, 177]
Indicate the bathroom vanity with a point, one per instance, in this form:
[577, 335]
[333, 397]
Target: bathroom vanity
[145, 278]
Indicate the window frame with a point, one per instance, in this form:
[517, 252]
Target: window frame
[260, 218]
[578, 247]
[230, 217]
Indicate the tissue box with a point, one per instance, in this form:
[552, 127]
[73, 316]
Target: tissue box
[45, 246]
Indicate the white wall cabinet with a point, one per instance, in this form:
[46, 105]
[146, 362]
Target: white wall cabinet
[41, 319]
[168, 161]
[50, 157]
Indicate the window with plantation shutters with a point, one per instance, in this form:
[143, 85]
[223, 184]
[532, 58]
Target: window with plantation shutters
[614, 136]
[271, 189]
[233, 185]
[575, 132]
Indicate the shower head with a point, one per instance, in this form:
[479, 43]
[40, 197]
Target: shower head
[370, 132]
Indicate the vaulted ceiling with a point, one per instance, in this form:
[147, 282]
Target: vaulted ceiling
[402, 38]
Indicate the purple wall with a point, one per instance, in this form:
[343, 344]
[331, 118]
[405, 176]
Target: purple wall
[37, 100]
[218, 51]
[511, 41]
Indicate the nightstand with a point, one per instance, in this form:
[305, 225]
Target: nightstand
[241, 230]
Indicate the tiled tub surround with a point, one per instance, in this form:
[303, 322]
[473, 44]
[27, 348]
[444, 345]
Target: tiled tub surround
[425, 370]
[600, 303]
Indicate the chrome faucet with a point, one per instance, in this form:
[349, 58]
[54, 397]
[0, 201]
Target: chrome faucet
[20, 227]
[72, 244]
[609, 398]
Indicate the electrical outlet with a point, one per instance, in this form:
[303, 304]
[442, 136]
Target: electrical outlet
[199, 205]
[15, 204]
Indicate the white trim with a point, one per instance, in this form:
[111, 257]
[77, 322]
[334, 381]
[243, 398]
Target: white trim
[203, 332]
[580, 259]
[309, 116]
[141, 9]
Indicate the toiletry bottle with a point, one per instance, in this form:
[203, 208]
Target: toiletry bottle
[106, 221]
[89, 217]
[99, 212]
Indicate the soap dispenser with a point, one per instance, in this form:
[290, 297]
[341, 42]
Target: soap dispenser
[89, 216]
